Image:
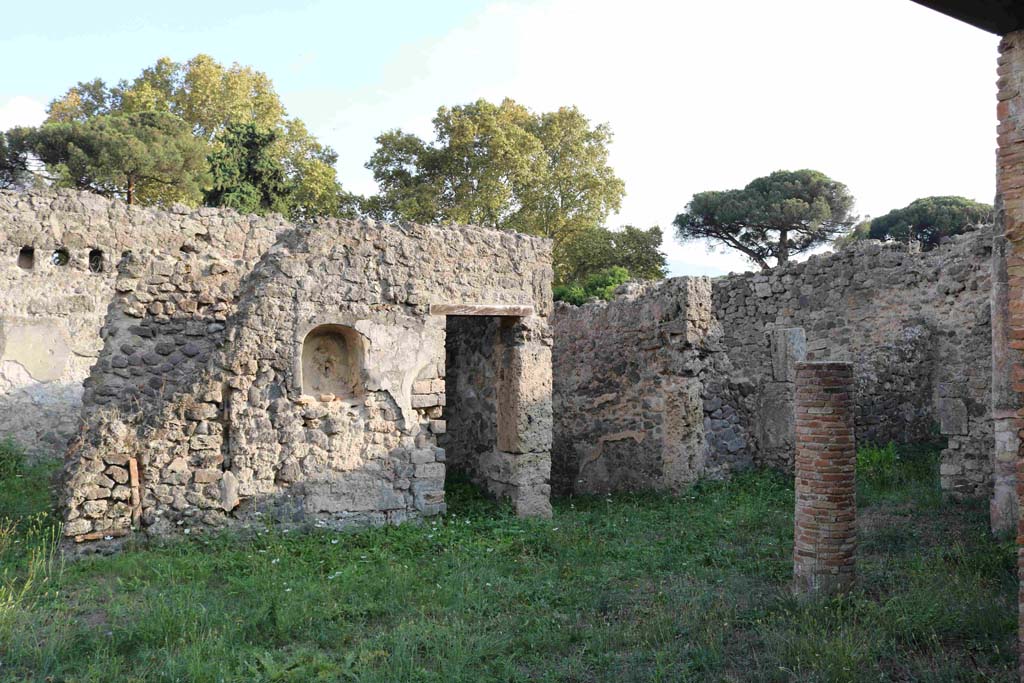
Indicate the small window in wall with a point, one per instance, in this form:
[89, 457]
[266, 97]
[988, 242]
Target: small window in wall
[27, 258]
[60, 257]
[95, 261]
[331, 361]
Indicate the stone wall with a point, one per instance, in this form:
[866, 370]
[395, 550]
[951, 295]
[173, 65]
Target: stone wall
[213, 382]
[639, 389]
[629, 373]
[916, 326]
[58, 257]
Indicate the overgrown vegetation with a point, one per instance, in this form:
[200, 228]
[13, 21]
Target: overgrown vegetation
[627, 588]
[600, 285]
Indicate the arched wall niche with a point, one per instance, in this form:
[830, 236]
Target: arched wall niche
[332, 362]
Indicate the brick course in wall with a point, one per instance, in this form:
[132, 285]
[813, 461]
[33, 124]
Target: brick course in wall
[824, 537]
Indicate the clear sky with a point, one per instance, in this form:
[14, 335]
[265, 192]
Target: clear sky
[891, 98]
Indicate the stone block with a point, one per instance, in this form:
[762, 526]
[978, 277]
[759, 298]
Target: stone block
[788, 347]
[952, 416]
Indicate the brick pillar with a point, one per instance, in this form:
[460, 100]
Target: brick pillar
[1010, 199]
[825, 538]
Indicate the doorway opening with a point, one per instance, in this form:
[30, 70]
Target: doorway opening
[471, 397]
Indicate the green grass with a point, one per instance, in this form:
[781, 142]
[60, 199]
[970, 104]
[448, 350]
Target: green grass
[622, 588]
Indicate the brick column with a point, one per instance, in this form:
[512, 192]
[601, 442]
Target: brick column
[1010, 200]
[824, 539]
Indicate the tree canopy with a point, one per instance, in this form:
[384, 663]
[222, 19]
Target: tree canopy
[247, 175]
[595, 250]
[773, 217]
[144, 157]
[500, 166]
[212, 100]
[930, 219]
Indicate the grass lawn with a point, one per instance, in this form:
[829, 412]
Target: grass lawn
[623, 588]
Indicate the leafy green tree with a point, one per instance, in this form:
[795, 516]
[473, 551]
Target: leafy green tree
[773, 217]
[247, 175]
[210, 98]
[597, 249]
[499, 166]
[600, 285]
[930, 219]
[577, 189]
[147, 157]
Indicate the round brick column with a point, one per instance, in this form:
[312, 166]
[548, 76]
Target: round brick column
[824, 539]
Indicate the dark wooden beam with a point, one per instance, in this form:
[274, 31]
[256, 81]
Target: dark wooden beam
[996, 16]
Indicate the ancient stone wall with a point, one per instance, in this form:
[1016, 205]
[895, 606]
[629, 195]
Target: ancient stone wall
[629, 373]
[58, 256]
[311, 388]
[915, 325]
[639, 389]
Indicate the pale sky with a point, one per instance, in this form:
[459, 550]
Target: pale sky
[889, 97]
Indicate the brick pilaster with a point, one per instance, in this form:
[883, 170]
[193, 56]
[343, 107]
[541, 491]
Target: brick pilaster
[1010, 197]
[825, 536]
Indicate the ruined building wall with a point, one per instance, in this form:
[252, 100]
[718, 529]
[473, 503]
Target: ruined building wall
[52, 309]
[314, 385]
[916, 326]
[637, 381]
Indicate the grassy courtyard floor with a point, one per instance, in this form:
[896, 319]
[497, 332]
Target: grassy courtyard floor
[623, 588]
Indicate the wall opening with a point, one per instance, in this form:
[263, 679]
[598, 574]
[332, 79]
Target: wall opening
[27, 258]
[96, 261]
[60, 257]
[332, 362]
[471, 400]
